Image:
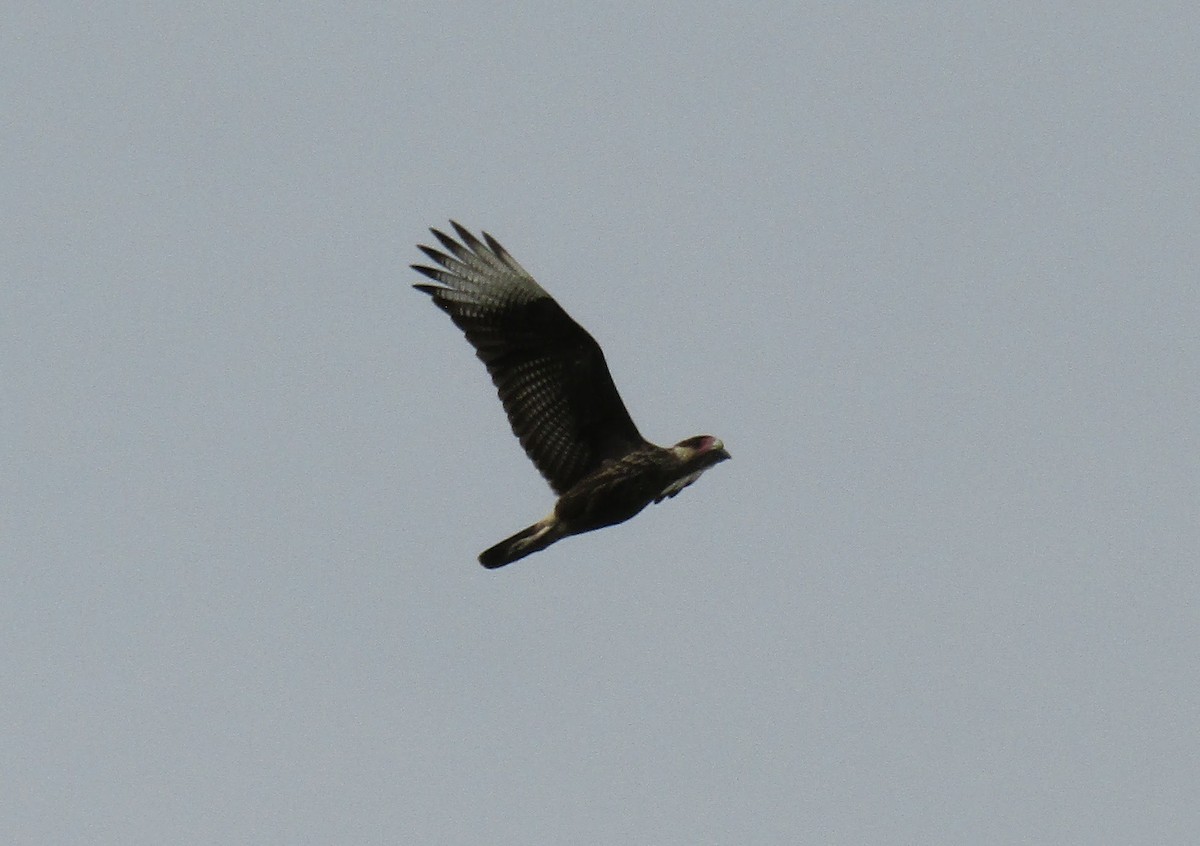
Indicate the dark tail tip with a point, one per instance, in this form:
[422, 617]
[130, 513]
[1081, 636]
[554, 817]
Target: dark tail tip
[495, 557]
[525, 542]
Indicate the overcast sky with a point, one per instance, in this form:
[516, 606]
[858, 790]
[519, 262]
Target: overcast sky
[929, 270]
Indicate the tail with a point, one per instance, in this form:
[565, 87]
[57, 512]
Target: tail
[525, 542]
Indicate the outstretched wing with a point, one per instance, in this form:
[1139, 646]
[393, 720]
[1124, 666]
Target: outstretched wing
[550, 373]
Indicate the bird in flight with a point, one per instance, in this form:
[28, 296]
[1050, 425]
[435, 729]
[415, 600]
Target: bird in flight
[559, 397]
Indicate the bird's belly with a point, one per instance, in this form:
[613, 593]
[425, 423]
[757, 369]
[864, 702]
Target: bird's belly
[583, 508]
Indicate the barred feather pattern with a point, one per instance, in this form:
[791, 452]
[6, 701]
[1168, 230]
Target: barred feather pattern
[550, 373]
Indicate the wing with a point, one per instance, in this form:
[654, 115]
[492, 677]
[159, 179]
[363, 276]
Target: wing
[550, 373]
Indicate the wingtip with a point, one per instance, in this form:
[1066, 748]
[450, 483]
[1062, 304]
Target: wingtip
[449, 243]
[495, 245]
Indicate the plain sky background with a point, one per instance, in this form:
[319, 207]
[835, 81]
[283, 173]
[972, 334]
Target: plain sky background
[930, 271]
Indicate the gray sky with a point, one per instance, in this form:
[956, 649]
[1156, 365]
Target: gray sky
[930, 271]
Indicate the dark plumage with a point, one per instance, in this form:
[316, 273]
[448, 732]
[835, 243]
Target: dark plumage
[559, 397]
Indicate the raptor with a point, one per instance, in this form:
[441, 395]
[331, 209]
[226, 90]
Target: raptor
[558, 394]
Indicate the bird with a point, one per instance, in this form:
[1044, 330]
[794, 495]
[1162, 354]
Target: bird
[558, 394]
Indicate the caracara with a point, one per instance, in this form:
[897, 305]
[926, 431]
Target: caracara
[559, 397]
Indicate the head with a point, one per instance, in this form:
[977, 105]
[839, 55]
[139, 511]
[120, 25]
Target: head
[701, 449]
